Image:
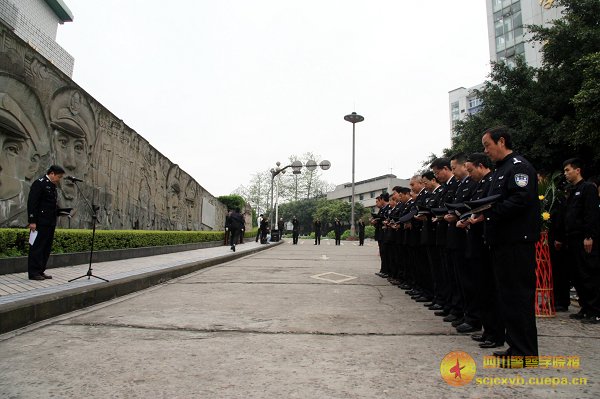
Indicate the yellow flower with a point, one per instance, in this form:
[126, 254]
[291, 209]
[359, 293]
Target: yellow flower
[541, 197]
[546, 215]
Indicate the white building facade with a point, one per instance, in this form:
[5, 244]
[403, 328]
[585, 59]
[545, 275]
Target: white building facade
[366, 191]
[507, 36]
[36, 22]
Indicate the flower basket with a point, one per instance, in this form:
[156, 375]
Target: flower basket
[544, 286]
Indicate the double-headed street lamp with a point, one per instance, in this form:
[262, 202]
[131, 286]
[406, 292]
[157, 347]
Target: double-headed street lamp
[353, 118]
[296, 168]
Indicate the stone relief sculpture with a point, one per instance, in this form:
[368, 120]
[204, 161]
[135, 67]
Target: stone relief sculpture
[23, 148]
[46, 118]
[73, 136]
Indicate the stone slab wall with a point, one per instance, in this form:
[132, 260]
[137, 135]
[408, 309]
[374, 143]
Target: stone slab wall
[45, 118]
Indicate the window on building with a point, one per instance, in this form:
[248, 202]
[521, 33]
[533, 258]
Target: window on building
[372, 194]
[361, 197]
[454, 111]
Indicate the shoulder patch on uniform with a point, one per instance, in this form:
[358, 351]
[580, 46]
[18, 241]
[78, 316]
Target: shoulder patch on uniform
[516, 161]
[521, 179]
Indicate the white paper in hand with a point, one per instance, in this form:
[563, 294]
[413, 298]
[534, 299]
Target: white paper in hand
[32, 237]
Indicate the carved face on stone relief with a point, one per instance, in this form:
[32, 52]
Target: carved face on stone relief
[191, 195]
[73, 136]
[174, 195]
[23, 147]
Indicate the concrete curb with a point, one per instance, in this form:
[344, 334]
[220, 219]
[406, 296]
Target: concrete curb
[31, 310]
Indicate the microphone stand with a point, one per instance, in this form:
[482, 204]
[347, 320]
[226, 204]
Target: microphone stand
[94, 209]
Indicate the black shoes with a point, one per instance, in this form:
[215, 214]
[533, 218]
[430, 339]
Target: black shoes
[458, 322]
[467, 328]
[423, 299]
[442, 313]
[37, 277]
[490, 344]
[451, 317]
[435, 306]
[591, 320]
[506, 352]
[478, 337]
[46, 276]
[578, 316]
[233, 248]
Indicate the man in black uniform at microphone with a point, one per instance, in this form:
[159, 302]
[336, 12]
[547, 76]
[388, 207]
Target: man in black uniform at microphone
[512, 227]
[42, 211]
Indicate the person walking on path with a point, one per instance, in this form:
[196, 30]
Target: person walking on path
[235, 226]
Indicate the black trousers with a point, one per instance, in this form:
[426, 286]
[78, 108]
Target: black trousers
[561, 276]
[514, 274]
[318, 239]
[487, 295]
[234, 237]
[39, 252]
[295, 235]
[587, 275]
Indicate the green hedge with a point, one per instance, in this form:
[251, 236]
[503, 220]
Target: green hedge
[13, 242]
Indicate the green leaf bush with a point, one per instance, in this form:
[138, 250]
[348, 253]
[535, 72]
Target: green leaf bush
[14, 242]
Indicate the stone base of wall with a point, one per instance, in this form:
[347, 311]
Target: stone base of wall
[19, 264]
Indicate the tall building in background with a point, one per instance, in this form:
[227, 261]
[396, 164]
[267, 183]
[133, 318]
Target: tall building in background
[36, 22]
[507, 36]
[464, 102]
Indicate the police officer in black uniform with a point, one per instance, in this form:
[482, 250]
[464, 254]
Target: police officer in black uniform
[479, 290]
[377, 221]
[512, 227]
[580, 232]
[42, 211]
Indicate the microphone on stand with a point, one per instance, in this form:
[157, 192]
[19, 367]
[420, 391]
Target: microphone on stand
[73, 179]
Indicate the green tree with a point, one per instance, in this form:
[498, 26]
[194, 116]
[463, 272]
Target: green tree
[553, 110]
[233, 201]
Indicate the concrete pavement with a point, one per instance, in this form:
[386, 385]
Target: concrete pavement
[298, 321]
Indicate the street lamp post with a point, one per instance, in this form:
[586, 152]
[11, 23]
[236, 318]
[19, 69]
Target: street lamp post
[296, 167]
[353, 118]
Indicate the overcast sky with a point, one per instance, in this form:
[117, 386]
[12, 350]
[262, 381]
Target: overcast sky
[226, 88]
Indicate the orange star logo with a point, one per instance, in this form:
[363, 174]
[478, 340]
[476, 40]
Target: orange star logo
[457, 368]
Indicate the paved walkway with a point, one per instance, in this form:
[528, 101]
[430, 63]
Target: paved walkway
[18, 292]
[295, 321]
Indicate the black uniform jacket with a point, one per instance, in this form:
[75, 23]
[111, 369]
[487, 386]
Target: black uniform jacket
[582, 212]
[516, 216]
[42, 202]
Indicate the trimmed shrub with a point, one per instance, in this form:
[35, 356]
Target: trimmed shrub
[14, 242]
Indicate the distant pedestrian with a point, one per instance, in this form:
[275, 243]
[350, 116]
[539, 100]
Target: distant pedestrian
[361, 232]
[317, 227]
[235, 227]
[337, 229]
[258, 223]
[295, 230]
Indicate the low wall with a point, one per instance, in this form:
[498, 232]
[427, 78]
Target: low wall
[19, 264]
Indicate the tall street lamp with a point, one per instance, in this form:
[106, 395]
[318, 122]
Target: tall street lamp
[353, 118]
[296, 168]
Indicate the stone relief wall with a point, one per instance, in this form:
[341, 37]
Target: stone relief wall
[45, 118]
